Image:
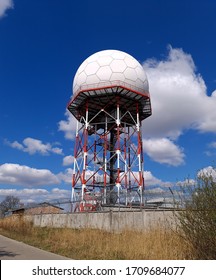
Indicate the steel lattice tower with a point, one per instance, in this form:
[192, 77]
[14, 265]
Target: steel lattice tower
[110, 100]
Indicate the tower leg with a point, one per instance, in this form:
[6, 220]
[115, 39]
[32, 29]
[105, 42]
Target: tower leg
[140, 158]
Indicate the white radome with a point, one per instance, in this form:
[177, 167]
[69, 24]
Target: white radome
[110, 67]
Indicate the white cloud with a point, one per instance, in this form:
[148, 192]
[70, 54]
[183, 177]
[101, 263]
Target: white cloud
[179, 101]
[68, 126]
[68, 160]
[212, 145]
[36, 195]
[23, 192]
[208, 171]
[208, 121]
[186, 183]
[66, 176]
[163, 150]
[4, 6]
[15, 174]
[211, 149]
[178, 96]
[57, 151]
[15, 145]
[32, 146]
[150, 180]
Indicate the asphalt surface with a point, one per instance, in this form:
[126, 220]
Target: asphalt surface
[14, 250]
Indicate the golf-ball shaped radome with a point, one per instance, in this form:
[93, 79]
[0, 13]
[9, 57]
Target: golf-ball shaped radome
[110, 67]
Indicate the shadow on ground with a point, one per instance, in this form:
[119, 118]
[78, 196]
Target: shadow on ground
[4, 253]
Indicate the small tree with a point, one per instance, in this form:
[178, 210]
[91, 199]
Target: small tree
[197, 223]
[10, 202]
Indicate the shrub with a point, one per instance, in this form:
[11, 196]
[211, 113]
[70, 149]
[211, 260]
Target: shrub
[197, 223]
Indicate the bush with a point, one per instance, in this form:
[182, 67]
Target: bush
[197, 223]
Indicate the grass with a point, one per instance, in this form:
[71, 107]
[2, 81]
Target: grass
[157, 244]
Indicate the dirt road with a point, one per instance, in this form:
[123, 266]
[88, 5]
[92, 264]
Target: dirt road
[14, 250]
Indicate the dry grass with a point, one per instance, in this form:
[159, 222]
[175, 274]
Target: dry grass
[156, 244]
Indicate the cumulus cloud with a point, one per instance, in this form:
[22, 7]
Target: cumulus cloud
[57, 151]
[208, 171]
[163, 150]
[15, 174]
[68, 160]
[186, 183]
[23, 192]
[179, 101]
[208, 121]
[68, 126]
[27, 195]
[151, 180]
[4, 6]
[66, 176]
[178, 95]
[36, 195]
[33, 146]
[211, 149]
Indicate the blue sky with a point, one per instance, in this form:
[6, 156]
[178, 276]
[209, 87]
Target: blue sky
[43, 42]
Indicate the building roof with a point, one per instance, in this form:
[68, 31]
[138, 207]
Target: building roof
[43, 204]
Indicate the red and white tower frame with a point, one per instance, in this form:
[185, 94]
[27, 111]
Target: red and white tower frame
[108, 150]
[108, 154]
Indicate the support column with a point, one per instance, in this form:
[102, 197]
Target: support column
[118, 151]
[85, 153]
[105, 162]
[74, 181]
[139, 155]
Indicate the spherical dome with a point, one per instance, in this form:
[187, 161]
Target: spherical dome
[110, 68]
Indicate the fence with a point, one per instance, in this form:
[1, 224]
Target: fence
[113, 221]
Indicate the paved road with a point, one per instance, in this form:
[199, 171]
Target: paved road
[14, 250]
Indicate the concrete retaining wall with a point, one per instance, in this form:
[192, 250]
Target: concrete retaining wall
[114, 221]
